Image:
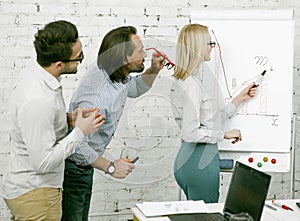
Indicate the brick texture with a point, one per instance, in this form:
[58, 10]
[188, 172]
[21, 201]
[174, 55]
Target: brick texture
[148, 128]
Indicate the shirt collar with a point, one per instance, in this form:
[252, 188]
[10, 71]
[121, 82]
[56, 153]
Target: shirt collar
[53, 82]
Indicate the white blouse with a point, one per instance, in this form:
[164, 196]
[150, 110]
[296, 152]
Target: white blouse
[199, 108]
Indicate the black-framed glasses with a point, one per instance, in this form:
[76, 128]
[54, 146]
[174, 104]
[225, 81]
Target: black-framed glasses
[212, 44]
[79, 58]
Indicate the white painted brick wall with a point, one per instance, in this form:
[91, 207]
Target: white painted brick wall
[153, 179]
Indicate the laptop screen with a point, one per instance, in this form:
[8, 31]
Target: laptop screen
[247, 192]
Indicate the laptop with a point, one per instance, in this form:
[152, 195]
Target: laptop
[247, 193]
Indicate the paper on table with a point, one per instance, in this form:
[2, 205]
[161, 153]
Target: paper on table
[150, 209]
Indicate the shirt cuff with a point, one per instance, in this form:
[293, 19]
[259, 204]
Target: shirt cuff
[93, 157]
[141, 83]
[230, 110]
[219, 135]
[78, 135]
[72, 141]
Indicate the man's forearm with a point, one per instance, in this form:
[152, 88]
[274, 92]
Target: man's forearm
[149, 76]
[101, 164]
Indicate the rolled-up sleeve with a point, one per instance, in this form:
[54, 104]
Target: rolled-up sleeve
[85, 154]
[230, 110]
[137, 86]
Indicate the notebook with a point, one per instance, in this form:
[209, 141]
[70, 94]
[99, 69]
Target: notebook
[247, 193]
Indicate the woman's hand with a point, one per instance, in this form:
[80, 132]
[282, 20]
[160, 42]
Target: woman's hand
[246, 94]
[233, 134]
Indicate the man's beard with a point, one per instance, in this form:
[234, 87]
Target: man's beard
[139, 69]
[74, 71]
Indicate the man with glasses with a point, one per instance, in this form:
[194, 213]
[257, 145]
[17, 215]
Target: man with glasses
[33, 182]
[106, 86]
[79, 58]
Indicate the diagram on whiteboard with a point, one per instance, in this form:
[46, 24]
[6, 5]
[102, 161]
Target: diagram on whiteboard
[261, 81]
[255, 51]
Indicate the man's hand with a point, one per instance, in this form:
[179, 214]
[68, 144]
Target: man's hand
[88, 124]
[157, 63]
[71, 117]
[122, 168]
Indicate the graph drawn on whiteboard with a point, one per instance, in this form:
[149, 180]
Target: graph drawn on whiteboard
[247, 48]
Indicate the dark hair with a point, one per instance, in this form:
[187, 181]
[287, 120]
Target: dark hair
[54, 42]
[113, 52]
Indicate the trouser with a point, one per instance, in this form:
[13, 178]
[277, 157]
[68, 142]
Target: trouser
[197, 171]
[77, 191]
[36, 205]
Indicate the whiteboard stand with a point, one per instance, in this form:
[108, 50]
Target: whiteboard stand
[292, 185]
[179, 193]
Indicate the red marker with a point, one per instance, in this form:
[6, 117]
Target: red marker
[281, 205]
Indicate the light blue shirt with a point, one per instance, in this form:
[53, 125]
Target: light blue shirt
[95, 89]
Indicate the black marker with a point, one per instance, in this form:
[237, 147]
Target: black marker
[270, 207]
[259, 78]
[134, 160]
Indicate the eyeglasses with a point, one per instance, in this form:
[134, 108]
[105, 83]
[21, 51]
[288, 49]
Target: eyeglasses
[167, 62]
[79, 58]
[212, 44]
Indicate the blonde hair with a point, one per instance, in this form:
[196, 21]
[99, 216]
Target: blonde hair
[190, 50]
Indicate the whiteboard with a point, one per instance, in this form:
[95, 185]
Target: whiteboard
[249, 43]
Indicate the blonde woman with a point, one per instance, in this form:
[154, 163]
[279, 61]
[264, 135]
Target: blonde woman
[200, 114]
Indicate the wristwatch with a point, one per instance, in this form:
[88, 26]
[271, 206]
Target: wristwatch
[111, 168]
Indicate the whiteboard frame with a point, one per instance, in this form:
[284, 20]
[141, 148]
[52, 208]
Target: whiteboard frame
[263, 14]
[246, 14]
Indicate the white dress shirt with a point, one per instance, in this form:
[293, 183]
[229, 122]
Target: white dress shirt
[199, 108]
[37, 136]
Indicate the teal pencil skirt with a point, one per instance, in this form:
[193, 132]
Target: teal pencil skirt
[197, 171]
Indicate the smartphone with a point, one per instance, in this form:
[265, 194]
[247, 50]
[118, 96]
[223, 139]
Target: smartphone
[298, 204]
[134, 160]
